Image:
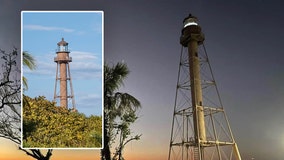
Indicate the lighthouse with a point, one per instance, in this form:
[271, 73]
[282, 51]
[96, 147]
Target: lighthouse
[200, 127]
[63, 76]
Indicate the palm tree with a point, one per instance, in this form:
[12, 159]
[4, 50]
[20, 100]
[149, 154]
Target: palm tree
[30, 62]
[115, 103]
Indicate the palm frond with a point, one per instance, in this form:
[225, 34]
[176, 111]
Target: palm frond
[29, 61]
[114, 76]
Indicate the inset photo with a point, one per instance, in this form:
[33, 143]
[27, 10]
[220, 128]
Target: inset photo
[62, 84]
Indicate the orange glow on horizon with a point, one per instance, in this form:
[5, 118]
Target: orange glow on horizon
[9, 151]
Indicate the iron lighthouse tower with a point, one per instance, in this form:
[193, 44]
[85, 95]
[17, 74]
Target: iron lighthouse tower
[200, 128]
[63, 76]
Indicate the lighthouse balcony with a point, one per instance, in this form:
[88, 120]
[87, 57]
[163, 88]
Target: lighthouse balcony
[60, 59]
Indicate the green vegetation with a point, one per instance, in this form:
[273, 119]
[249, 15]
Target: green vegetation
[30, 63]
[48, 126]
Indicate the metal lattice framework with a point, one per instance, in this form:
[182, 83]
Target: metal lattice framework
[219, 143]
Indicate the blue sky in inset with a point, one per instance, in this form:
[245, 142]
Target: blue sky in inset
[41, 31]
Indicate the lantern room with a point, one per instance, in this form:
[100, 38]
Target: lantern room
[62, 46]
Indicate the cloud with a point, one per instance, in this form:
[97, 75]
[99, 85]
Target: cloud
[84, 65]
[80, 33]
[47, 28]
[79, 55]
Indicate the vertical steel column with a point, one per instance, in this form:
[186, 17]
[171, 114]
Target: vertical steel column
[191, 38]
[56, 78]
[196, 91]
[63, 85]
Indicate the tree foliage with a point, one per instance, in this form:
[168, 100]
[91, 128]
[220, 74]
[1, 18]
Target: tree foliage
[124, 133]
[10, 98]
[47, 126]
[10, 89]
[30, 62]
[10, 85]
[119, 111]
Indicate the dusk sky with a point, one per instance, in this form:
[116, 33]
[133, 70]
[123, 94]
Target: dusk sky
[244, 41]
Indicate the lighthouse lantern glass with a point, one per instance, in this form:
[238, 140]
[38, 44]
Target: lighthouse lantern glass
[63, 48]
[189, 22]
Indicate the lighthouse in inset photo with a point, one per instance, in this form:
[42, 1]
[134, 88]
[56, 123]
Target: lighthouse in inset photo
[63, 76]
[68, 58]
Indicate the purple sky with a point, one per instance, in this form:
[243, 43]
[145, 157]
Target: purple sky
[244, 41]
